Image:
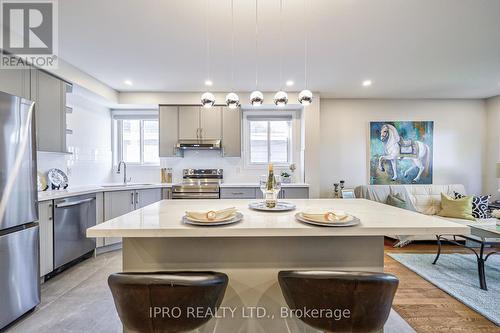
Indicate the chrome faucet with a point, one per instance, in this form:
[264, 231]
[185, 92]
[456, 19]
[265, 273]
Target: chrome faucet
[125, 180]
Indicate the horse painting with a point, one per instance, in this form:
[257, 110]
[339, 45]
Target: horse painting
[401, 152]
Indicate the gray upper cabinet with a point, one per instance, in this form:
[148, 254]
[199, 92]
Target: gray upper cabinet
[15, 82]
[169, 120]
[189, 122]
[211, 123]
[49, 95]
[231, 132]
[196, 123]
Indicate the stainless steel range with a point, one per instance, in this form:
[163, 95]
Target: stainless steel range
[198, 184]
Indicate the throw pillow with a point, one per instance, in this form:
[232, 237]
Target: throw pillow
[397, 200]
[456, 208]
[479, 205]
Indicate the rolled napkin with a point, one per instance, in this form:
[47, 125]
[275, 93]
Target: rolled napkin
[329, 216]
[212, 215]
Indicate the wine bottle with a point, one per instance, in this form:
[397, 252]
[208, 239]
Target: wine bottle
[270, 178]
[270, 196]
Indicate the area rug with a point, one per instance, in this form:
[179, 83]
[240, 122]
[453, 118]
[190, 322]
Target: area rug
[456, 274]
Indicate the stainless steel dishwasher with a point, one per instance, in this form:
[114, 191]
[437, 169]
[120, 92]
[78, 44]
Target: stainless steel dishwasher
[72, 217]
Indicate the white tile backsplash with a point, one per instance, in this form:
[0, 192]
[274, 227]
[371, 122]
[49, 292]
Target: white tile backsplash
[234, 170]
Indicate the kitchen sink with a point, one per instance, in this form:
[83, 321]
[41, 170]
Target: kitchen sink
[125, 185]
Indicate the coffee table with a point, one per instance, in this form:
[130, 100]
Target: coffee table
[483, 233]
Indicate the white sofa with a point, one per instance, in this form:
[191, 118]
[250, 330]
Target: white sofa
[424, 199]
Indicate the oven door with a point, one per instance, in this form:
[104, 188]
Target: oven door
[195, 195]
[195, 191]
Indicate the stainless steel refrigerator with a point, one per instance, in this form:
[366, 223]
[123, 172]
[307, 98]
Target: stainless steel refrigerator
[19, 251]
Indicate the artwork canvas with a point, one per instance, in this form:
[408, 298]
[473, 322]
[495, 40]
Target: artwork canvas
[401, 152]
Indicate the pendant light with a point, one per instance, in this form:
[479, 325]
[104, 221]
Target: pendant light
[305, 96]
[232, 99]
[207, 99]
[256, 97]
[281, 97]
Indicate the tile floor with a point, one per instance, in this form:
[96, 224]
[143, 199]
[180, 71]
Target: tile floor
[79, 301]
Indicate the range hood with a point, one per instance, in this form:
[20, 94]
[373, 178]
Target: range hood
[198, 145]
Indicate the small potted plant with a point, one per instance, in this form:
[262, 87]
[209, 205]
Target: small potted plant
[286, 178]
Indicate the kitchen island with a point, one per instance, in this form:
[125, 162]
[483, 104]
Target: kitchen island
[254, 250]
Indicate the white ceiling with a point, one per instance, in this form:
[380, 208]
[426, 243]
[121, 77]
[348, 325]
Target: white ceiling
[409, 48]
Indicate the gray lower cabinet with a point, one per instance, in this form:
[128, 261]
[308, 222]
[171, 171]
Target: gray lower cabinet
[49, 95]
[118, 203]
[99, 215]
[231, 132]
[147, 197]
[169, 130]
[15, 82]
[294, 193]
[46, 226]
[238, 193]
[255, 193]
[290, 193]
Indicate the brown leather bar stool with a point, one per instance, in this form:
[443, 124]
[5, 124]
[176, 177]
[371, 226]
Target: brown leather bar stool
[166, 302]
[367, 297]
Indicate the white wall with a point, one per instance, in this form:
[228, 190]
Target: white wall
[491, 183]
[459, 138]
[90, 143]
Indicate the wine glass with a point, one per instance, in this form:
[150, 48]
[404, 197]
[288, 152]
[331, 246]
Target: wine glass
[277, 184]
[263, 184]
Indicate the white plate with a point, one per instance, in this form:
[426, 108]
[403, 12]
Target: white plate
[57, 177]
[192, 219]
[353, 222]
[235, 219]
[280, 206]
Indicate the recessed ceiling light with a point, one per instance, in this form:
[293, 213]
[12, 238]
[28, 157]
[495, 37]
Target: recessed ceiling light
[367, 83]
[128, 82]
[208, 83]
[289, 83]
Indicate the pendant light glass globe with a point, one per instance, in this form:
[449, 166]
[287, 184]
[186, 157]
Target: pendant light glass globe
[256, 98]
[281, 98]
[232, 100]
[305, 97]
[207, 100]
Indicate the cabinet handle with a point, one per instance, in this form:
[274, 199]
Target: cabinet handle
[136, 197]
[237, 193]
[132, 198]
[201, 133]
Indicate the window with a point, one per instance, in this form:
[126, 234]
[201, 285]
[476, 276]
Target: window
[138, 141]
[269, 140]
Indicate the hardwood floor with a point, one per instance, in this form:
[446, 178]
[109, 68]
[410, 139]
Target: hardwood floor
[424, 306]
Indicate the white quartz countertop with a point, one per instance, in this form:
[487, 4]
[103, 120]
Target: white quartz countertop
[80, 190]
[163, 219]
